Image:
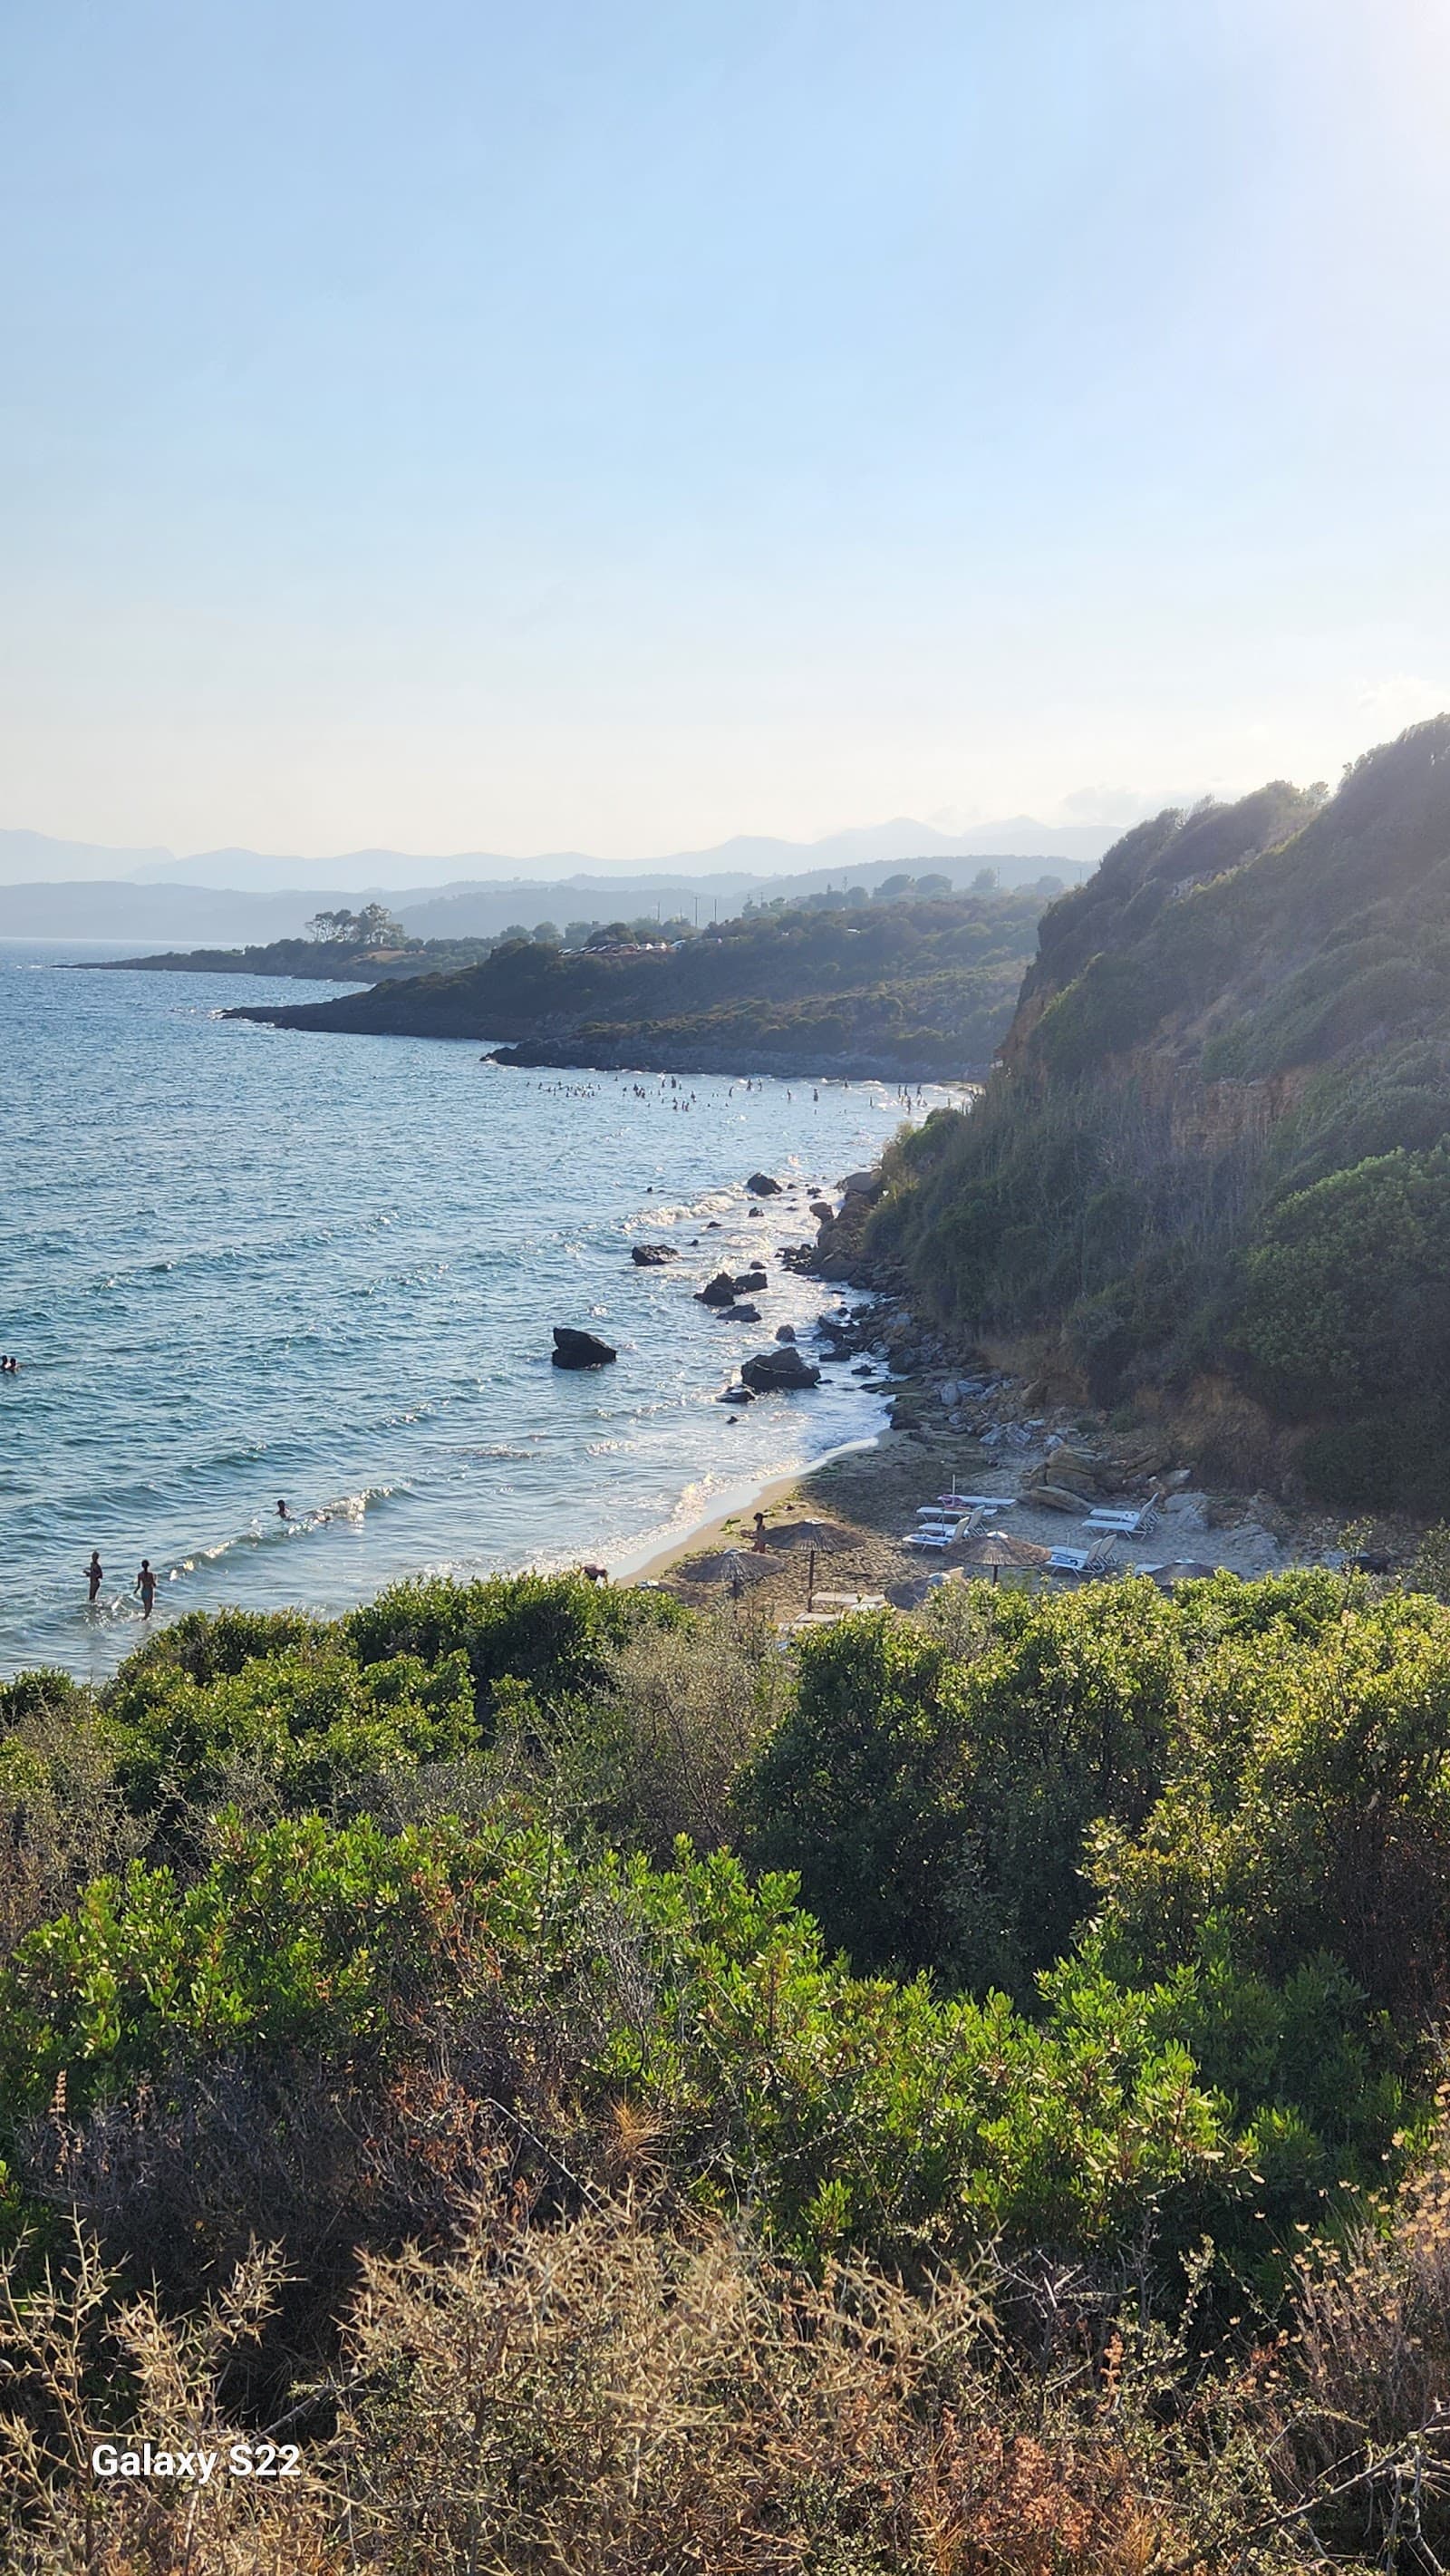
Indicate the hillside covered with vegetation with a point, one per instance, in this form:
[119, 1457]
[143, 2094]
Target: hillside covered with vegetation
[912, 989]
[1213, 1170]
[960, 2095]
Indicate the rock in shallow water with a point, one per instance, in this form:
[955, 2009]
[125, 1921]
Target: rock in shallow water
[574, 1350]
[780, 1370]
[650, 1256]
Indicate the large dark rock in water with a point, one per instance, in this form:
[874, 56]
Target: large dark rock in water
[746, 1314]
[580, 1350]
[745, 1280]
[649, 1256]
[719, 1291]
[761, 1186]
[772, 1372]
[785, 1332]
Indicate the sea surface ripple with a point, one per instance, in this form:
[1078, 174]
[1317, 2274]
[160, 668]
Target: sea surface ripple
[243, 1264]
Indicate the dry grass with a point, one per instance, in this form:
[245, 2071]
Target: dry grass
[612, 2402]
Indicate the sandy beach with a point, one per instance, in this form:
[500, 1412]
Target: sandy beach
[840, 1527]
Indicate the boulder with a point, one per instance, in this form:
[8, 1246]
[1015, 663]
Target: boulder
[719, 1291]
[746, 1314]
[1053, 1498]
[822, 1211]
[772, 1371]
[761, 1186]
[785, 1332]
[1068, 1466]
[650, 1256]
[862, 1185]
[736, 1395]
[748, 1279]
[580, 1350]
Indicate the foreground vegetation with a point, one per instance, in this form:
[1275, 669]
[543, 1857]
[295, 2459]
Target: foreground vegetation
[617, 2096]
[1218, 1147]
[914, 988]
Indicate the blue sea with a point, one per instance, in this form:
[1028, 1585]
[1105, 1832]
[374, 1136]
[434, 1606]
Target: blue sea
[243, 1263]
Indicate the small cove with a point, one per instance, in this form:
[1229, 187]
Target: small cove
[243, 1264]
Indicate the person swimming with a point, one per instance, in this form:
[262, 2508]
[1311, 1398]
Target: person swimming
[282, 1512]
[145, 1584]
[95, 1573]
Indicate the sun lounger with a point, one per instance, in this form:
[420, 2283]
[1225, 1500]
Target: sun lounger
[1125, 1524]
[1082, 1560]
[979, 1502]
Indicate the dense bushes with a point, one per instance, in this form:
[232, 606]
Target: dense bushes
[1128, 1921]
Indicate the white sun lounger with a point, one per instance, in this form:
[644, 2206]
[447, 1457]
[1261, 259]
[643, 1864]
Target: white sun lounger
[979, 1502]
[1082, 1560]
[1124, 1524]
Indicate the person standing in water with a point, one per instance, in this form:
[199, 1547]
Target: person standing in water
[95, 1574]
[145, 1584]
[282, 1512]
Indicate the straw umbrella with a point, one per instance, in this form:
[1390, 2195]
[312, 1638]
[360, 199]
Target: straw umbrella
[996, 1548]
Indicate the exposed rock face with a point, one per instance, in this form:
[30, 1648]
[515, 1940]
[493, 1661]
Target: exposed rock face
[761, 1186]
[651, 1256]
[785, 1332]
[1053, 1498]
[719, 1291]
[772, 1371]
[574, 1350]
[1065, 1465]
[822, 1211]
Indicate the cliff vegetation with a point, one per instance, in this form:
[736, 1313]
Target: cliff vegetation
[1216, 1152]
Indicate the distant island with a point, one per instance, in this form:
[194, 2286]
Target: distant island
[919, 986]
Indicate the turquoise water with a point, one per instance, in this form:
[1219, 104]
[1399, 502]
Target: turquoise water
[242, 1263]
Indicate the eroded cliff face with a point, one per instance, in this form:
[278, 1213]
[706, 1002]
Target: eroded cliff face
[1218, 1137]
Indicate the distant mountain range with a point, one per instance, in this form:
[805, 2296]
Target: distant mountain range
[74, 890]
[33, 858]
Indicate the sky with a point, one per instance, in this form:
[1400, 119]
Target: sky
[616, 424]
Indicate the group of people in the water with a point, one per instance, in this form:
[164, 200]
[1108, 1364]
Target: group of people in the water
[145, 1583]
[9, 1366]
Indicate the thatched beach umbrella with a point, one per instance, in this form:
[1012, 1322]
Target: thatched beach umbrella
[996, 1548]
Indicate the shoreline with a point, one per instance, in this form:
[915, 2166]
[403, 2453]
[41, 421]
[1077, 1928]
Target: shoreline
[647, 1565]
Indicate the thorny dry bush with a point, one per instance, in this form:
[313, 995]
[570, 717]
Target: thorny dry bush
[67, 2344]
[627, 2394]
[682, 1712]
[606, 2398]
[1372, 2365]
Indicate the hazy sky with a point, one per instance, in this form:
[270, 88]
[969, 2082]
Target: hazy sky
[615, 426]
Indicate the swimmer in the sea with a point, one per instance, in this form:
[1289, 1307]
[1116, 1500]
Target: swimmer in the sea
[145, 1584]
[282, 1512]
[95, 1573]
